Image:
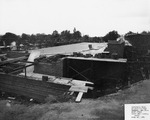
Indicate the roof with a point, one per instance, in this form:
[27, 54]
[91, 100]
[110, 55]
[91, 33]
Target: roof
[95, 51]
[100, 59]
[78, 47]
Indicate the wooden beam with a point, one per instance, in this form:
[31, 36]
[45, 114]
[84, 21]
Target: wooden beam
[78, 89]
[79, 73]
[79, 97]
[12, 60]
[86, 70]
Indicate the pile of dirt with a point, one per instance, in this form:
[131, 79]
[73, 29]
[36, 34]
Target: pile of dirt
[50, 59]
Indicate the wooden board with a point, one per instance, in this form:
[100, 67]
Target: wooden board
[83, 89]
[79, 97]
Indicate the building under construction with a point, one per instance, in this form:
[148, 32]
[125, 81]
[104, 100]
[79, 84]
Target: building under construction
[94, 70]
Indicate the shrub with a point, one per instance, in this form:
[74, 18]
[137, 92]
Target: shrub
[51, 99]
[60, 98]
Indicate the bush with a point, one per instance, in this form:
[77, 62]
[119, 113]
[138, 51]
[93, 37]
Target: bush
[51, 99]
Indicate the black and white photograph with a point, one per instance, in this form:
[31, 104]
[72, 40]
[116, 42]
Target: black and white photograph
[74, 59]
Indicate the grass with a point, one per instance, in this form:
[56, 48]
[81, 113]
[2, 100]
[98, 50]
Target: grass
[111, 114]
[11, 113]
[34, 112]
[136, 94]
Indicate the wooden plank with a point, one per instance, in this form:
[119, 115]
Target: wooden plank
[79, 97]
[78, 89]
[13, 60]
[81, 83]
[61, 80]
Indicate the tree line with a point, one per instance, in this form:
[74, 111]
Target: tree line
[55, 39]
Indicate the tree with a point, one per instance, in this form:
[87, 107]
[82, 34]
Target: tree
[129, 33]
[77, 35]
[113, 35]
[86, 38]
[33, 39]
[55, 37]
[1, 43]
[65, 35]
[97, 39]
[74, 30]
[55, 33]
[25, 39]
[145, 32]
[8, 38]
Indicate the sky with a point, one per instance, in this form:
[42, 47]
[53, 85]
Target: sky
[90, 17]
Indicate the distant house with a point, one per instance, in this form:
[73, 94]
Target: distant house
[13, 46]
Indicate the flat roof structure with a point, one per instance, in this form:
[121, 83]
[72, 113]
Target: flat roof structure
[69, 49]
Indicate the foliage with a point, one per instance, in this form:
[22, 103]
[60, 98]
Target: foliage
[51, 99]
[113, 35]
[55, 39]
[130, 33]
[133, 33]
[65, 35]
[8, 38]
[77, 35]
[146, 32]
[1, 43]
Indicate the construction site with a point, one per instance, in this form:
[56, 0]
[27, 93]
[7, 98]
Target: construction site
[82, 70]
[76, 81]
